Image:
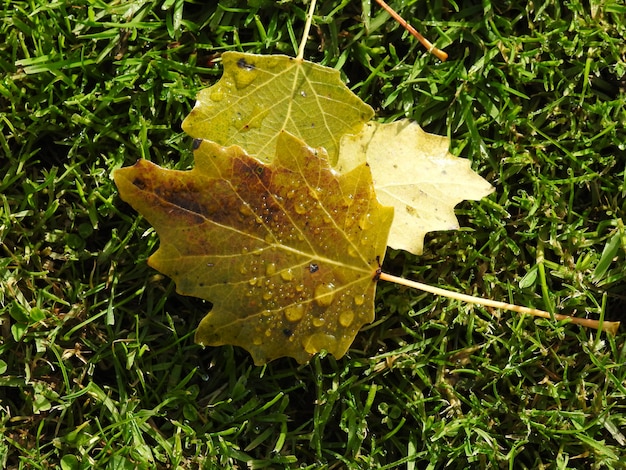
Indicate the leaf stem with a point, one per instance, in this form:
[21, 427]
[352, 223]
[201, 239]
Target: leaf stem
[441, 55]
[609, 327]
[307, 28]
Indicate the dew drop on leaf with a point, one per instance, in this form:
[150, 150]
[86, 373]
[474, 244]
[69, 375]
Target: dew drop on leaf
[345, 318]
[365, 222]
[217, 95]
[270, 269]
[300, 208]
[294, 313]
[245, 209]
[318, 341]
[244, 77]
[324, 294]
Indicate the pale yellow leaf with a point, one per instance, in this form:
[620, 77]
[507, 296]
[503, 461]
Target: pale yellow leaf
[413, 172]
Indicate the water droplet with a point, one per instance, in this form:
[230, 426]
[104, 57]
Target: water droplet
[286, 275]
[318, 341]
[345, 318]
[324, 294]
[267, 295]
[318, 321]
[359, 299]
[300, 208]
[237, 121]
[253, 281]
[365, 221]
[270, 269]
[244, 209]
[294, 312]
[217, 94]
[303, 93]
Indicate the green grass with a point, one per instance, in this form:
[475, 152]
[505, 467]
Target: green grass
[97, 362]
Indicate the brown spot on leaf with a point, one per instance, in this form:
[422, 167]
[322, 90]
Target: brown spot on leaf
[243, 64]
[139, 183]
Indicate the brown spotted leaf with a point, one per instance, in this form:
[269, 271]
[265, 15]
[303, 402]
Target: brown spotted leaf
[287, 252]
[260, 96]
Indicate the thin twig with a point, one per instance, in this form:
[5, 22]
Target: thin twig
[307, 28]
[609, 327]
[441, 55]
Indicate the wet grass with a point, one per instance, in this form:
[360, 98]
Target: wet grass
[97, 362]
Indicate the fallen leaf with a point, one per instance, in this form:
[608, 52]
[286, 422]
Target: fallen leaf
[288, 252]
[259, 96]
[414, 173]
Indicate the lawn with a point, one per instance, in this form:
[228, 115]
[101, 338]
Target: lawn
[98, 367]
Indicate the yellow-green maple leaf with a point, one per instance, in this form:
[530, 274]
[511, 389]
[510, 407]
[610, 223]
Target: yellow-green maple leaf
[287, 252]
[260, 96]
